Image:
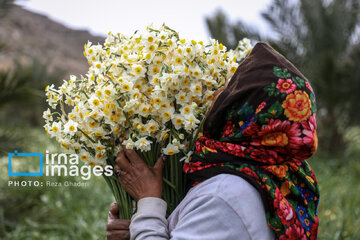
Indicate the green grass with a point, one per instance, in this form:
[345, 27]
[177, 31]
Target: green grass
[51, 212]
[80, 213]
[339, 208]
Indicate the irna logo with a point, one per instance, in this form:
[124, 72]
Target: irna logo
[17, 155]
[58, 165]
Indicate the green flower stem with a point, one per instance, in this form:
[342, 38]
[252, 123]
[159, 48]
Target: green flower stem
[173, 166]
[118, 199]
[85, 94]
[122, 198]
[125, 201]
[108, 182]
[87, 136]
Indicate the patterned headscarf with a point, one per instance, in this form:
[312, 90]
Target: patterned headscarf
[262, 127]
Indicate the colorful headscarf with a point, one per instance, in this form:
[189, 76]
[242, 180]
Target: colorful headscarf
[262, 127]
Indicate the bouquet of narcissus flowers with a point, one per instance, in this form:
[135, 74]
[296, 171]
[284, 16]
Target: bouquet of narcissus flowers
[151, 89]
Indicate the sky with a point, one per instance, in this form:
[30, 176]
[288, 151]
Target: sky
[125, 16]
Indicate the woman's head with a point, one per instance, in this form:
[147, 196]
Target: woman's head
[269, 104]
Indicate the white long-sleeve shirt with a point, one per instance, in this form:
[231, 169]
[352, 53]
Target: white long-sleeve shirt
[222, 207]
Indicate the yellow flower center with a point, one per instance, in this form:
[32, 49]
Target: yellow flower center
[210, 97]
[155, 70]
[151, 48]
[138, 70]
[106, 111]
[178, 60]
[142, 129]
[126, 87]
[96, 102]
[152, 128]
[167, 115]
[65, 145]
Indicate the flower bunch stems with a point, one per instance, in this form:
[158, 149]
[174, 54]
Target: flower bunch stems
[122, 198]
[173, 177]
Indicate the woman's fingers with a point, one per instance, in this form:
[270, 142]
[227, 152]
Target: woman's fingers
[136, 177]
[122, 161]
[118, 224]
[116, 229]
[117, 170]
[118, 235]
[113, 211]
[132, 156]
[126, 179]
[159, 165]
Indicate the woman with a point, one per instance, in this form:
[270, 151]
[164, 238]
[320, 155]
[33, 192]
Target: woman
[248, 174]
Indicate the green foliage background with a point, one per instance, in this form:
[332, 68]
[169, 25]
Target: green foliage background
[322, 39]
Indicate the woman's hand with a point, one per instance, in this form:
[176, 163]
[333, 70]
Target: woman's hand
[117, 229]
[137, 178]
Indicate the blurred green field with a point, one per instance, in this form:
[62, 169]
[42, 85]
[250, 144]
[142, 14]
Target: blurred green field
[339, 209]
[51, 212]
[80, 213]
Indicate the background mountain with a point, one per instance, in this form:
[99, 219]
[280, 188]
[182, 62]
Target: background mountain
[27, 36]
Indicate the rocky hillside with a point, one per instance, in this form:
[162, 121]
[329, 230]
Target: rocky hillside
[26, 36]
